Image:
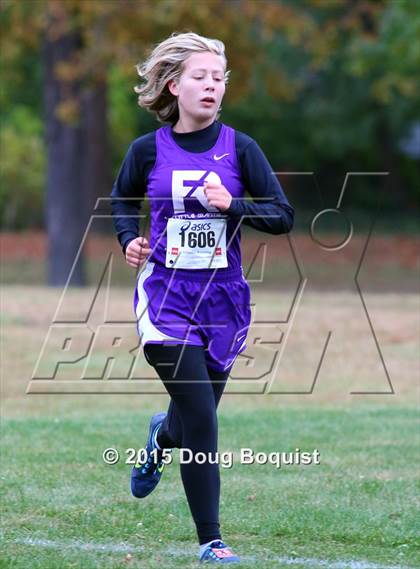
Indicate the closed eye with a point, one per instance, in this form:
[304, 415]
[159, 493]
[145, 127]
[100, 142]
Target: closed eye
[215, 78]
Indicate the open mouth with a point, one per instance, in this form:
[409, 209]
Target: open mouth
[208, 100]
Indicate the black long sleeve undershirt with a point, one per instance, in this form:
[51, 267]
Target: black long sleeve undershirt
[269, 209]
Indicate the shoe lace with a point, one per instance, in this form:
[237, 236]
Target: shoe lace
[148, 463]
[151, 460]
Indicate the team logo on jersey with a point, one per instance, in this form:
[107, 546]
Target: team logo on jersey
[189, 184]
[220, 157]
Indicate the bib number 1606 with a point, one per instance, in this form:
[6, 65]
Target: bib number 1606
[201, 239]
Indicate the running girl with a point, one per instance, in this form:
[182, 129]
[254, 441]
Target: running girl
[191, 299]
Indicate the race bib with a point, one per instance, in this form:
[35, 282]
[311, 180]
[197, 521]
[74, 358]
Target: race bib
[196, 243]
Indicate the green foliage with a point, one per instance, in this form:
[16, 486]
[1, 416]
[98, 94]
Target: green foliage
[122, 109]
[390, 61]
[342, 97]
[22, 167]
[323, 86]
[126, 120]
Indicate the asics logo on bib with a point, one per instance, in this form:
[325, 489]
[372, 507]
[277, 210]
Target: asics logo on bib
[190, 184]
[184, 227]
[199, 235]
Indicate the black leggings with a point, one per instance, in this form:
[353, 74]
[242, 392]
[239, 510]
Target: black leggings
[191, 422]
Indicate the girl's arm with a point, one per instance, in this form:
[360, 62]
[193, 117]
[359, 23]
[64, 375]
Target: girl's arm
[274, 213]
[129, 186]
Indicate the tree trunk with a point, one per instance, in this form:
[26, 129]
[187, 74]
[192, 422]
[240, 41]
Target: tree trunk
[65, 209]
[97, 172]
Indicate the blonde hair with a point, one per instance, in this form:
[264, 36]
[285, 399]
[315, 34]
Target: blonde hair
[166, 62]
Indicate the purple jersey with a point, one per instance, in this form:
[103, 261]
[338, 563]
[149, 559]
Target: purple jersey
[196, 306]
[176, 189]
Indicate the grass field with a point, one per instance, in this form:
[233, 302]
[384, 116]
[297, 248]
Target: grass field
[63, 507]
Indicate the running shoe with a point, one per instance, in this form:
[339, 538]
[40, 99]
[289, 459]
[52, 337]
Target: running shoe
[218, 552]
[146, 475]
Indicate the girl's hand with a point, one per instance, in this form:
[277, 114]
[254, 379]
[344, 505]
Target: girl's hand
[217, 195]
[137, 252]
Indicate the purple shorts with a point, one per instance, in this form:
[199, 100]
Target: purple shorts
[186, 307]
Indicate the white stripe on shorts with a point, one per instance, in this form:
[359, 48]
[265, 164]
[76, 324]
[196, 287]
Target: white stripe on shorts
[146, 329]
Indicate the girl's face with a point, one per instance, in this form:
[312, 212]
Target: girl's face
[200, 88]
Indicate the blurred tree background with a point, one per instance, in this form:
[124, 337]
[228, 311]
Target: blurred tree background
[328, 86]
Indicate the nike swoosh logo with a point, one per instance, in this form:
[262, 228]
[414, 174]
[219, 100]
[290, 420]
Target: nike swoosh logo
[241, 338]
[220, 157]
